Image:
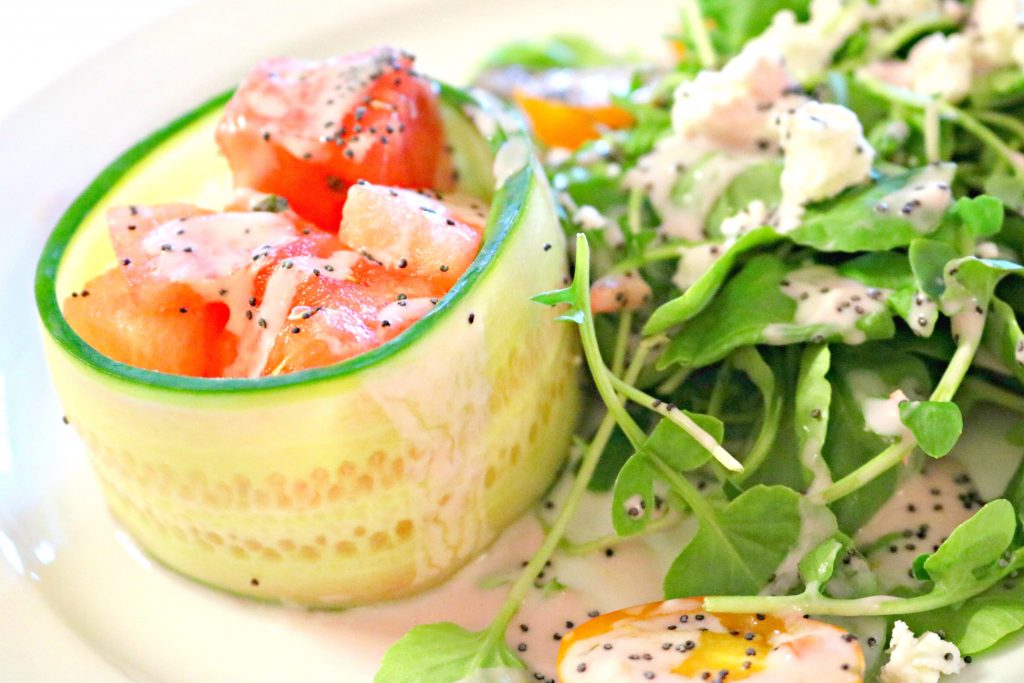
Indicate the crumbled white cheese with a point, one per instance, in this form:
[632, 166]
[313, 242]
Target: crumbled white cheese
[711, 170]
[938, 65]
[733, 107]
[755, 215]
[825, 152]
[919, 660]
[941, 65]
[997, 30]
[808, 47]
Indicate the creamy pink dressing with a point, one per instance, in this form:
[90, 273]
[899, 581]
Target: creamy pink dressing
[212, 246]
[302, 102]
[695, 261]
[658, 172]
[406, 311]
[823, 297]
[925, 197]
[258, 331]
[921, 514]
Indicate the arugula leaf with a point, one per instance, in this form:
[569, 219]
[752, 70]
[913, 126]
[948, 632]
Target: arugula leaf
[737, 549]
[978, 554]
[651, 123]
[813, 398]
[1009, 189]
[911, 305]
[750, 362]
[444, 653]
[861, 218]
[758, 182]
[976, 276]
[982, 215]
[677, 448]
[633, 501]
[884, 269]
[892, 270]
[817, 566]
[974, 548]
[737, 22]
[591, 186]
[977, 624]
[936, 425]
[747, 304]
[928, 259]
[1003, 337]
[633, 497]
[858, 373]
[616, 452]
[753, 309]
[697, 296]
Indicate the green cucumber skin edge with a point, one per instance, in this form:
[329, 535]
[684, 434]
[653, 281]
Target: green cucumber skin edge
[507, 210]
[255, 431]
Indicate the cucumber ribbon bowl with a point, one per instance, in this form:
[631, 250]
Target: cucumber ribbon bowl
[366, 480]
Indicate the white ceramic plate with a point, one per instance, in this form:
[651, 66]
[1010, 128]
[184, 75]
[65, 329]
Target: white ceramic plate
[77, 600]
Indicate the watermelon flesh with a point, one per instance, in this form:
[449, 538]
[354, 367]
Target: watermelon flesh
[308, 130]
[244, 293]
[107, 316]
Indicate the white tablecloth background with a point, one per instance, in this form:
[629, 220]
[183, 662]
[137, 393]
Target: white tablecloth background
[41, 39]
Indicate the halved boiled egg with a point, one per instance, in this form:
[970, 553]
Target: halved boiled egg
[677, 641]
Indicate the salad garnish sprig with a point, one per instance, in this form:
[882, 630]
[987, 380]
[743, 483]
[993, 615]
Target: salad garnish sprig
[805, 252]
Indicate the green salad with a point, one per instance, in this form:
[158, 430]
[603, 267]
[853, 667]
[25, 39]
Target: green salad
[798, 255]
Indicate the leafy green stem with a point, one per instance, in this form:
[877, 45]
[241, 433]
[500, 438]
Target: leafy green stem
[693, 19]
[556, 533]
[904, 33]
[721, 385]
[815, 603]
[1001, 120]
[975, 390]
[958, 366]
[634, 210]
[674, 381]
[622, 342]
[867, 472]
[958, 116]
[662, 252]
[896, 452]
[697, 503]
[763, 443]
[496, 630]
[681, 419]
[932, 133]
[612, 540]
[986, 135]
